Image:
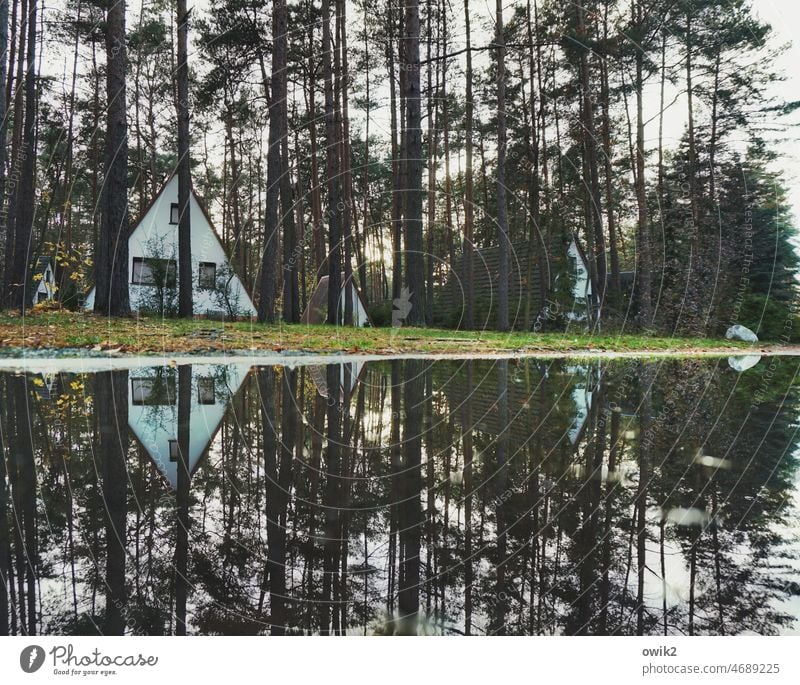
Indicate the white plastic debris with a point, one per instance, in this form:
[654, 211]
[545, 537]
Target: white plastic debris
[744, 362]
[739, 332]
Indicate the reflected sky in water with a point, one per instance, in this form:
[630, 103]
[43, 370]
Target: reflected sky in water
[548, 496]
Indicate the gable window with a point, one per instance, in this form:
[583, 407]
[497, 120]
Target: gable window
[205, 390]
[151, 271]
[207, 279]
[174, 450]
[174, 213]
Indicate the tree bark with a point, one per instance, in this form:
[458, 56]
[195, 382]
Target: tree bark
[643, 226]
[502, 211]
[3, 115]
[277, 130]
[332, 169]
[469, 189]
[25, 199]
[594, 234]
[412, 221]
[185, 280]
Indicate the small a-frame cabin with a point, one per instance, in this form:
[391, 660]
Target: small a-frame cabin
[317, 307]
[566, 262]
[153, 399]
[44, 281]
[153, 260]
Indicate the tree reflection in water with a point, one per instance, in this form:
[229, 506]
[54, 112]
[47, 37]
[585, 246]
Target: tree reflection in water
[455, 497]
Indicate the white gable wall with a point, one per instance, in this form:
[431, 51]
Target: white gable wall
[46, 287]
[360, 316]
[155, 230]
[583, 287]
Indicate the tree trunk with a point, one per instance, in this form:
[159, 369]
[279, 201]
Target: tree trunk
[502, 210]
[347, 176]
[280, 96]
[397, 201]
[16, 142]
[185, 280]
[332, 169]
[3, 116]
[25, 199]
[269, 263]
[433, 130]
[616, 288]
[469, 189]
[111, 400]
[643, 226]
[594, 233]
[412, 221]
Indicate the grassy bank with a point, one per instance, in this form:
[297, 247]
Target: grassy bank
[69, 330]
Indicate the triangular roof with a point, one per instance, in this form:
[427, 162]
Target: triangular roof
[200, 203]
[319, 300]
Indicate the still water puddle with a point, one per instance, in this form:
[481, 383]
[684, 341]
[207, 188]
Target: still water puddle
[548, 496]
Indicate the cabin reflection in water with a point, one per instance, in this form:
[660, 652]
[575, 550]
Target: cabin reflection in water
[153, 408]
[446, 497]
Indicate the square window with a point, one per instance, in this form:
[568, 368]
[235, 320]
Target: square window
[153, 392]
[207, 278]
[174, 213]
[141, 274]
[174, 450]
[150, 271]
[205, 390]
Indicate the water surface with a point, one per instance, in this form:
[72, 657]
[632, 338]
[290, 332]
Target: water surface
[549, 496]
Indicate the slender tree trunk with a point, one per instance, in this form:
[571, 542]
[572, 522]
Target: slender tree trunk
[469, 191]
[16, 142]
[333, 168]
[316, 199]
[182, 497]
[594, 233]
[23, 230]
[536, 242]
[432, 113]
[643, 225]
[269, 263]
[503, 285]
[616, 288]
[233, 194]
[185, 279]
[347, 175]
[445, 113]
[280, 108]
[4, 56]
[397, 200]
[412, 222]
[65, 226]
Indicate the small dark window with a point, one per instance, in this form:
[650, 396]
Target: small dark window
[174, 450]
[174, 213]
[153, 392]
[207, 279]
[205, 390]
[147, 271]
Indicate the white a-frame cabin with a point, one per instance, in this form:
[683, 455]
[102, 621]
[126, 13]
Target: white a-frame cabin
[153, 260]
